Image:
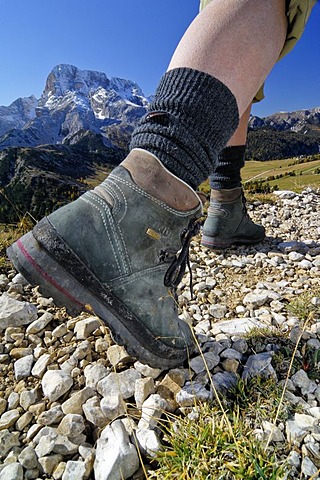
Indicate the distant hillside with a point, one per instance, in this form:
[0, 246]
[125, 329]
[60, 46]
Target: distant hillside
[40, 179]
[284, 135]
[267, 144]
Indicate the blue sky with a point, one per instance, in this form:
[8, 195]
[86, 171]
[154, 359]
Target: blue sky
[132, 39]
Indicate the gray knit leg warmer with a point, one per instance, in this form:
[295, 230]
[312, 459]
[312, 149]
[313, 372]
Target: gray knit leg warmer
[190, 120]
[227, 170]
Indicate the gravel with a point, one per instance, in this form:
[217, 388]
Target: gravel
[73, 404]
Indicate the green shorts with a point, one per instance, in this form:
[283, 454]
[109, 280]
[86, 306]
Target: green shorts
[298, 12]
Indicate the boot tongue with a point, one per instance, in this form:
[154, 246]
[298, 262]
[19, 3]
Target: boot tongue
[149, 174]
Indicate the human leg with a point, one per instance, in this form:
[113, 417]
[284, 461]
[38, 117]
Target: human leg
[227, 221]
[227, 170]
[236, 41]
[115, 250]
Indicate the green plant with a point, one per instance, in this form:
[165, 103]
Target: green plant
[302, 306]
[258, 399]
[11, 233]
[206, 449]
[310, 361]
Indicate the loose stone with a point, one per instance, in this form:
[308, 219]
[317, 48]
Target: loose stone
[152, 410]
[23, 367]
[9, 418]
[119, 383]
[74, 470]
[56, 383]
[94, 413]
[84, 328]
[117, 354]
[113, 406]
[94, 373]
[41, 365]
[77, 399]
[40, 324]
[143, 388]
[116, 457]
[12, 471]
[14, 313]
[149, 442]
[71, 425]
[259, 364]
[308, 468]
[28, 458]
[48, 463]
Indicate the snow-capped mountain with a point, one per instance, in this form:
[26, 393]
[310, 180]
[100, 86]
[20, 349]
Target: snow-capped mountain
[80, 104]
[17, 114]
[73, 101]
[300, 121]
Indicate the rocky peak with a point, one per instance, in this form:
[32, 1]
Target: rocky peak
[297, 121]
[76, 101]
[68, 78]
[18, 113]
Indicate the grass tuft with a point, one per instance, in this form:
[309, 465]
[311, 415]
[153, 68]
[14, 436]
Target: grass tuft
[205, 449]
[9, 234]
[303, 308]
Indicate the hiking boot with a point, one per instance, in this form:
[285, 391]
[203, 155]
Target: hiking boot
[119, 251]
[228, 222]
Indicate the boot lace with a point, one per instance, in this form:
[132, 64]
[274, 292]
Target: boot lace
[244, 204]
[180, 260]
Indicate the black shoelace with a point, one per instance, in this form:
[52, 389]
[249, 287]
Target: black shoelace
[244, 204]
[180, 260]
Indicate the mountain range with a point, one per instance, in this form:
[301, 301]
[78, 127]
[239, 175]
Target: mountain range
[73, 102]
[53, 148]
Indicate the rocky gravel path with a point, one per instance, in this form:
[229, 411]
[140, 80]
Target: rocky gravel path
[74, 405]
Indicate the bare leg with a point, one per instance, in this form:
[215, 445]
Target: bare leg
[236, 41]
[240, 135]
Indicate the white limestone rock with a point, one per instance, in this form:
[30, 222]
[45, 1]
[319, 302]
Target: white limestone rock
[71, 425]
[14, 313]
[74, 470]
[12, 471]
[93, 412]
[113, 406]
[116, 457]
[149, 442]
[84, 328]
[23, 367]
[152, 410]
[56, 383]
[40, 324]
[122, 383]
[94, 372]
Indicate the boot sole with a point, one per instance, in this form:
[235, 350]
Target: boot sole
[216, 243]
[67, 290]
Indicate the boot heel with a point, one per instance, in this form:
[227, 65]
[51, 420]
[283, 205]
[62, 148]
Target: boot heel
[215, 242]
[39, 268]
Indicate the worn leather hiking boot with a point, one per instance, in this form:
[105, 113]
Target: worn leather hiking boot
[119, 251]
[228, 221]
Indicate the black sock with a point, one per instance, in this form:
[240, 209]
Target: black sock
[192, 117]
[227, 170]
